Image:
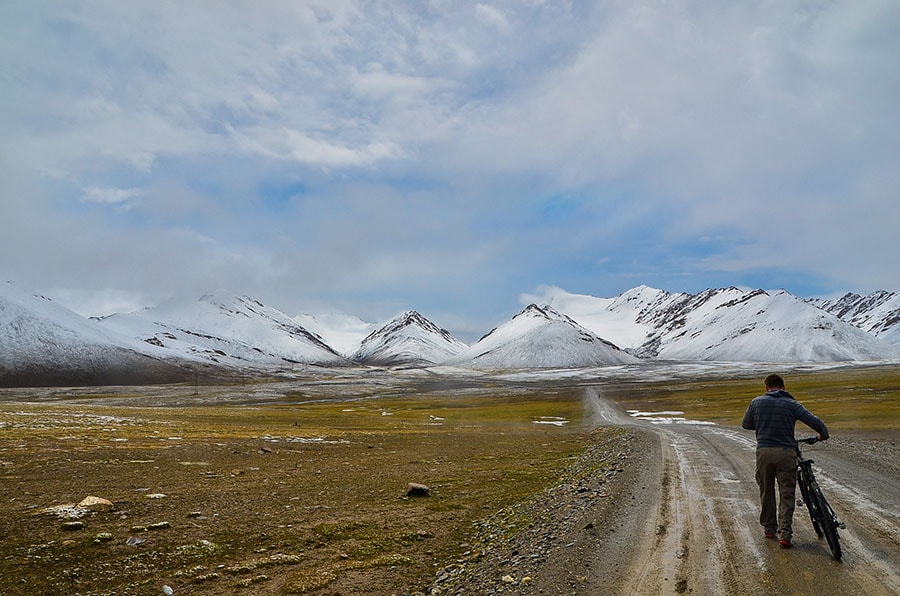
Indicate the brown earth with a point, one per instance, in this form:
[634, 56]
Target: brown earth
[275, 498]
[277, 505]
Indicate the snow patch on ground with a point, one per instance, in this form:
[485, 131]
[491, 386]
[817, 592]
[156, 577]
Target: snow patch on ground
[552, 420]
[666, 417]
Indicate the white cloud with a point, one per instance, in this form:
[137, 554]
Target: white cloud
[293, 145]
[456, 124]
[142, 161]
[376, 81]
[492, 15]
[93, 303]
[109, 196]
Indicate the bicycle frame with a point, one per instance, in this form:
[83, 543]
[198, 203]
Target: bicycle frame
[824, 520]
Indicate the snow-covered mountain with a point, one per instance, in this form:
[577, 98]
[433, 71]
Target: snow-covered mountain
[227, 330]
[758, 326]
[408, 339]
[541, 337]
[43, 343]
[625, 320]
[878, 313]
[722, 324]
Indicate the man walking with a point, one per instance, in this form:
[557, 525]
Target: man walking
[773, 416]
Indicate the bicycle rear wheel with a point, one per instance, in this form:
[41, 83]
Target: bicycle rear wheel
[828, 522]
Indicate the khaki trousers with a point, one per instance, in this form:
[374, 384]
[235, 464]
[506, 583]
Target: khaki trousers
[776, 466]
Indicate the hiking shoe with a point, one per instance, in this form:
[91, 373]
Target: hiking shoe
[770, 535]
[785, 543]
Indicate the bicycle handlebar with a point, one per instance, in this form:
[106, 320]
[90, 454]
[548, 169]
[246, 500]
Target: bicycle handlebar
[809, 440]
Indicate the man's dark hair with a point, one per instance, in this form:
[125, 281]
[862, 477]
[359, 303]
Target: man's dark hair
[774, 381]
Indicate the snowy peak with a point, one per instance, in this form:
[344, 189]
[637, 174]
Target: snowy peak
[407, 339]
[542, 313]
[727, 324]
[541, 337]
[228, 330]
[412, 319]
[42, 343]
[536, 317]
[533, 310]
[228, 305]
[878, 313]
[759, 326]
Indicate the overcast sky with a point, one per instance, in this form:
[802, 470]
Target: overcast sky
[446, 156]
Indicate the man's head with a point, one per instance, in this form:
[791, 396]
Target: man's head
[774, 381]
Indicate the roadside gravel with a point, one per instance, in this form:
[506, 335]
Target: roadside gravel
[573, 538]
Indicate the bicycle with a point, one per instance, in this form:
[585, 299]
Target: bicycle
[825, 522]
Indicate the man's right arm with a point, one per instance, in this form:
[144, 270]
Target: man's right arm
[814, 422]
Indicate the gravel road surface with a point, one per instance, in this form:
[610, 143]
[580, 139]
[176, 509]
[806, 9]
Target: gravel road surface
[681, 517]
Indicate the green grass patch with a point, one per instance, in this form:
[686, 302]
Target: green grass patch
[849, 399]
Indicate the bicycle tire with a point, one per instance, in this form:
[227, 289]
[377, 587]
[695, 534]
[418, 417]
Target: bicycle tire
[828, 522]
[812, 507]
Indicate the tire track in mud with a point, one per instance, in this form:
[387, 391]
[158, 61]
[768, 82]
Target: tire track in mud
[701, 533]
[871, 539]
[698, 543]
[663, 566]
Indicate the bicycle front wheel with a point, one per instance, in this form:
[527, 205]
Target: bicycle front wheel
[812, 507]
[828, 522]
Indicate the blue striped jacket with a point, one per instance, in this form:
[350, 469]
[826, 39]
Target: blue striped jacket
[773, 417]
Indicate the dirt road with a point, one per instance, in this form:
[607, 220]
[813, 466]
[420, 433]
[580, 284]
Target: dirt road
[695, 529]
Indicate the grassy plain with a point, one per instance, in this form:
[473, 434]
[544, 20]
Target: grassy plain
[308, 496]
[267, 499]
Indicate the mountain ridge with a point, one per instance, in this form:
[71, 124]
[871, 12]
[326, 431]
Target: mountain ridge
[878, 312]
[43, 343]
[224, 331]
[541, 337]
[228, 329]
[407, 339]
